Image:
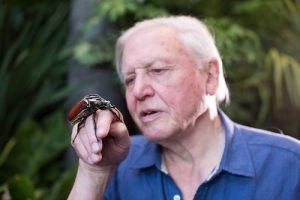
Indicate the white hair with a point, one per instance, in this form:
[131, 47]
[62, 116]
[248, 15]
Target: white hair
[193, 34]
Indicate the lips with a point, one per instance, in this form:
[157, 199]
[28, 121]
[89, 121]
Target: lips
[149, 115]
[145, 113]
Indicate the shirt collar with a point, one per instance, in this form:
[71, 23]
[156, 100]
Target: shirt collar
[148, 156]
[236, 158]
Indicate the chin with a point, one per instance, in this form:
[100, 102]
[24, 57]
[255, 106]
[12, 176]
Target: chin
[156, 135]
[153, 136]
[158, 130]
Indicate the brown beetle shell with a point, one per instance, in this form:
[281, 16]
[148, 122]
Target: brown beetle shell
[76, 109]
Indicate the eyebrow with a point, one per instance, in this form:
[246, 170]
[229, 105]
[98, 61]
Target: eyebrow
[143, 66]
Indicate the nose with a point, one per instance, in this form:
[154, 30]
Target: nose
[142, 88]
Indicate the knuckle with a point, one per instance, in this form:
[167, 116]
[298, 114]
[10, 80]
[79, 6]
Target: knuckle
[100, 132]
[122, 128]
[83, 155]
[104, 113]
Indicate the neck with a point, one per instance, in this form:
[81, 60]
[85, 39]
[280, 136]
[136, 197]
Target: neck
[191, 157]
[198, 142]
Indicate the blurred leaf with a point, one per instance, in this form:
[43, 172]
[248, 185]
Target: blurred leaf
[286, 71]
[114, 9]
[150, 11]
[87, 54]
[99, 50]
[7, 149]
[36, 146]
[63, 185]
[237, 45]
[21, 188]
[31, 69]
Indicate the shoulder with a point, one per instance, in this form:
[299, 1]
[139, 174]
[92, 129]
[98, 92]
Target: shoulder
[136, 171]
[138, 141]
[275, 160]
[140, 150]
[260, 141]
[265, 141]
[139, 144]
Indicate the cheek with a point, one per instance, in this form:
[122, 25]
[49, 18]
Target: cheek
[185, 98]
[173, 98]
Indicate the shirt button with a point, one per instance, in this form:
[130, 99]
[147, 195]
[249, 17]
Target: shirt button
[176, 197]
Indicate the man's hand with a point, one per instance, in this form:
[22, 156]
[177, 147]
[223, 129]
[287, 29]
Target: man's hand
[99, 154]
[112, 144]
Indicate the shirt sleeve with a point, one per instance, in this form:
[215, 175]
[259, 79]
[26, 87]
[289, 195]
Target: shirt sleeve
[111, 192]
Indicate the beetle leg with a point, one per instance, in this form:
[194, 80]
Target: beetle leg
[116, 113]
[79, 126]
[95, 126]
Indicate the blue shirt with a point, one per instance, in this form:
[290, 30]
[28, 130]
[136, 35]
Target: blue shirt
[255, 164]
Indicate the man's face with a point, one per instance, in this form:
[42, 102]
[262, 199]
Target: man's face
[164, 87]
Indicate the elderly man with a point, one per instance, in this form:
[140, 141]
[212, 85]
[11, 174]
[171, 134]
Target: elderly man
[190, 149]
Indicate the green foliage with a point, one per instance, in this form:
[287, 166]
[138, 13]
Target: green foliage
[31, 159]
[244, 44]
[114, 10]
[101, 49]
[286, 71]
[32, 65]
[20, 187]
[90, 53]
[62, 186]
[35, 140]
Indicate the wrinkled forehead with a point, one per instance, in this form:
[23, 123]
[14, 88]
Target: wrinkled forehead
[151, 44]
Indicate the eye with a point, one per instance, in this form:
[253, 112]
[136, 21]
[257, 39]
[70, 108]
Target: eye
[158, 70]
[129, 81]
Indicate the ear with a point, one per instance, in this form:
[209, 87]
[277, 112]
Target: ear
[213, 77]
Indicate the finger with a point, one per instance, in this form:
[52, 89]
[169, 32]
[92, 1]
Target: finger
[89, 154]
[120, 134]
[95, 144]
[90, 129]
[81, 150]
[74, 133]
[104, 119]
[83, 136]
[75, 130]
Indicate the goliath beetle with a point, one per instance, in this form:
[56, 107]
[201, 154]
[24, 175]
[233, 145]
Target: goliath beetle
[89, 106]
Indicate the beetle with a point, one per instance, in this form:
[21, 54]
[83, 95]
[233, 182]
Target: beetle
[89, 106]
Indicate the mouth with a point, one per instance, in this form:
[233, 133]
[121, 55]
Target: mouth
[149, 115]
